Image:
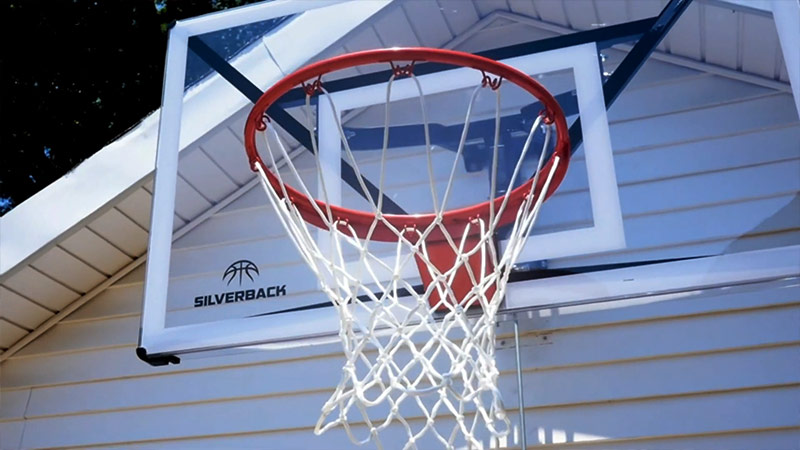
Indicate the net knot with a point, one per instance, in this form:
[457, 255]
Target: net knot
[411, 233]
[341, 225]
[493, 83]
[547, 116]
[313, 87]
[447, 379]
[262, 124]
[402, 71]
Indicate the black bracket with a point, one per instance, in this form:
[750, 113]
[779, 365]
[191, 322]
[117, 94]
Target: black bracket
[156, 360]
[624, 73]
[284, 119]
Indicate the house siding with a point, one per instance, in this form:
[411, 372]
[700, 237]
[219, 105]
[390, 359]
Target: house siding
[718, 368]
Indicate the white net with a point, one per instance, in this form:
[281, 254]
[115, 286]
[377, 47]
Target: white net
[420, 357]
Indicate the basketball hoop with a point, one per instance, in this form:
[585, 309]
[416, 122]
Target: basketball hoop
[413, 355]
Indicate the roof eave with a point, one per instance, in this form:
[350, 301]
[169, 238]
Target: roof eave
[93, 186]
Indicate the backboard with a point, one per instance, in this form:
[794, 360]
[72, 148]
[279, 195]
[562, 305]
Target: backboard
[221, 271]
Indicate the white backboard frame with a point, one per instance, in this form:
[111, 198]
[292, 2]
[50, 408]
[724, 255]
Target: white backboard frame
[606, 233]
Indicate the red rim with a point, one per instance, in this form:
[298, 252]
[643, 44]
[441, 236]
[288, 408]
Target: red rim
[454, 220]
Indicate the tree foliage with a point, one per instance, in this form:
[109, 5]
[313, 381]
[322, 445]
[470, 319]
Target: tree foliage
[76, 75]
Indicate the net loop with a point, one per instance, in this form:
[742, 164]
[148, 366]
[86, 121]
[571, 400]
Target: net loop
[402, 70]
[493, 83]
[262, 124]
[313, 87]
[546, 116]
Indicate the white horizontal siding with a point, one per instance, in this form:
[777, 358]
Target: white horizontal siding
[11, 434]
[703, 122]
[117, 301]
[780, 439]
[717, 413]
[13, 404]
[79, 336]
[679, 94]
[545, 386]
[585, 372]
[69, 343]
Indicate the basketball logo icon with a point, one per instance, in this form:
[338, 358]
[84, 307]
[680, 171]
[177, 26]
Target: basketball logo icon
[239, 270]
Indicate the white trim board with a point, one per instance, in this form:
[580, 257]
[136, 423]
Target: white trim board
[724, 270]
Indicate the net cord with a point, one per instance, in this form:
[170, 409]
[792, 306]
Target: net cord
[374, 333]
